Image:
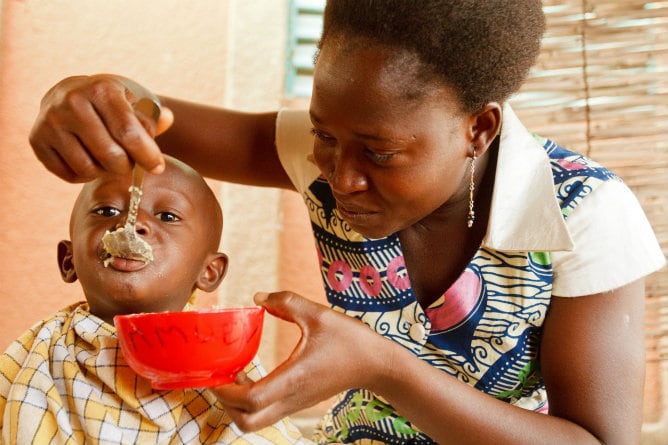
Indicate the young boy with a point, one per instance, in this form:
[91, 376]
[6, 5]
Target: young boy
[65, 380]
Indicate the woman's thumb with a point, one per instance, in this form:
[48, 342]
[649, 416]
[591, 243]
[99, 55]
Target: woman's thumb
[288, 306]
[165, 120]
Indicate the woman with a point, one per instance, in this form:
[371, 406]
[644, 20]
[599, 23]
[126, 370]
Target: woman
[478, 274]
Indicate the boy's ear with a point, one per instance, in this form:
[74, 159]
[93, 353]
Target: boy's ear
[65, 263]
[213, 273]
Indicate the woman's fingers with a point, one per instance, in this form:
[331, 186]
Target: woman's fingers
[243, 379]
[336, 352]
[290, 307]
[165, 121]
[310, 374]
[260, 404]
[87, 125]
[286, 389]
[59, 162]
[123, 134]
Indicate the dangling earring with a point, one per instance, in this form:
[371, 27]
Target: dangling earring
[471, 216]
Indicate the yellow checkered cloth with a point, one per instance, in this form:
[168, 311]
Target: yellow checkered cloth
[65, 382]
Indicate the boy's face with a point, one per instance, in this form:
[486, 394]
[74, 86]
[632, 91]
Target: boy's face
[178, 216]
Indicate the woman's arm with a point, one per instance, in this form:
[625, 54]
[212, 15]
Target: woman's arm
[224, 144]
[86, 125]
[592, 360]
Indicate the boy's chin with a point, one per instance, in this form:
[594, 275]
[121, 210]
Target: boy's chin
[109, 309]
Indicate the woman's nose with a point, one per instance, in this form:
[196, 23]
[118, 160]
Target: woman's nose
[345, 176]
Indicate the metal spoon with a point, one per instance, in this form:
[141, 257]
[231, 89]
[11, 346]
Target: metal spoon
[125, 242]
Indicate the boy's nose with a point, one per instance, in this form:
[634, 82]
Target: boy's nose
[142, 226]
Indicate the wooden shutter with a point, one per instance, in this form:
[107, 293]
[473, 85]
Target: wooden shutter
[304, 28]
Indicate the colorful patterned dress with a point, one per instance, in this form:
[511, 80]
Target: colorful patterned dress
[485, 330]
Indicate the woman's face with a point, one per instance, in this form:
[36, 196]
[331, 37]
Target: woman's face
[393, 151]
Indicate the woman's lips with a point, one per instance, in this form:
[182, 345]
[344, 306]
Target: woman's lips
[352, 213]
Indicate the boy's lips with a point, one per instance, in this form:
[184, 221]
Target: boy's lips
[124, 265]
[118, 263]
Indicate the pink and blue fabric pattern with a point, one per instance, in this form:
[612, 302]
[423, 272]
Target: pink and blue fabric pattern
[484, 330]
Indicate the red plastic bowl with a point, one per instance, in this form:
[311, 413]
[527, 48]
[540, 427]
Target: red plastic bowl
[190, 349]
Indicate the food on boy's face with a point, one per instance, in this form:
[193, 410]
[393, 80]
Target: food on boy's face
[126, 245]
[125, 242]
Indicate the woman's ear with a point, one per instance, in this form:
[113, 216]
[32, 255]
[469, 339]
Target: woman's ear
[213, 273]
[485, 126]
[65, 263]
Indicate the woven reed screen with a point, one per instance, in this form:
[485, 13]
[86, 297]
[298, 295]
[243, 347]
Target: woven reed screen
[601, 88]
